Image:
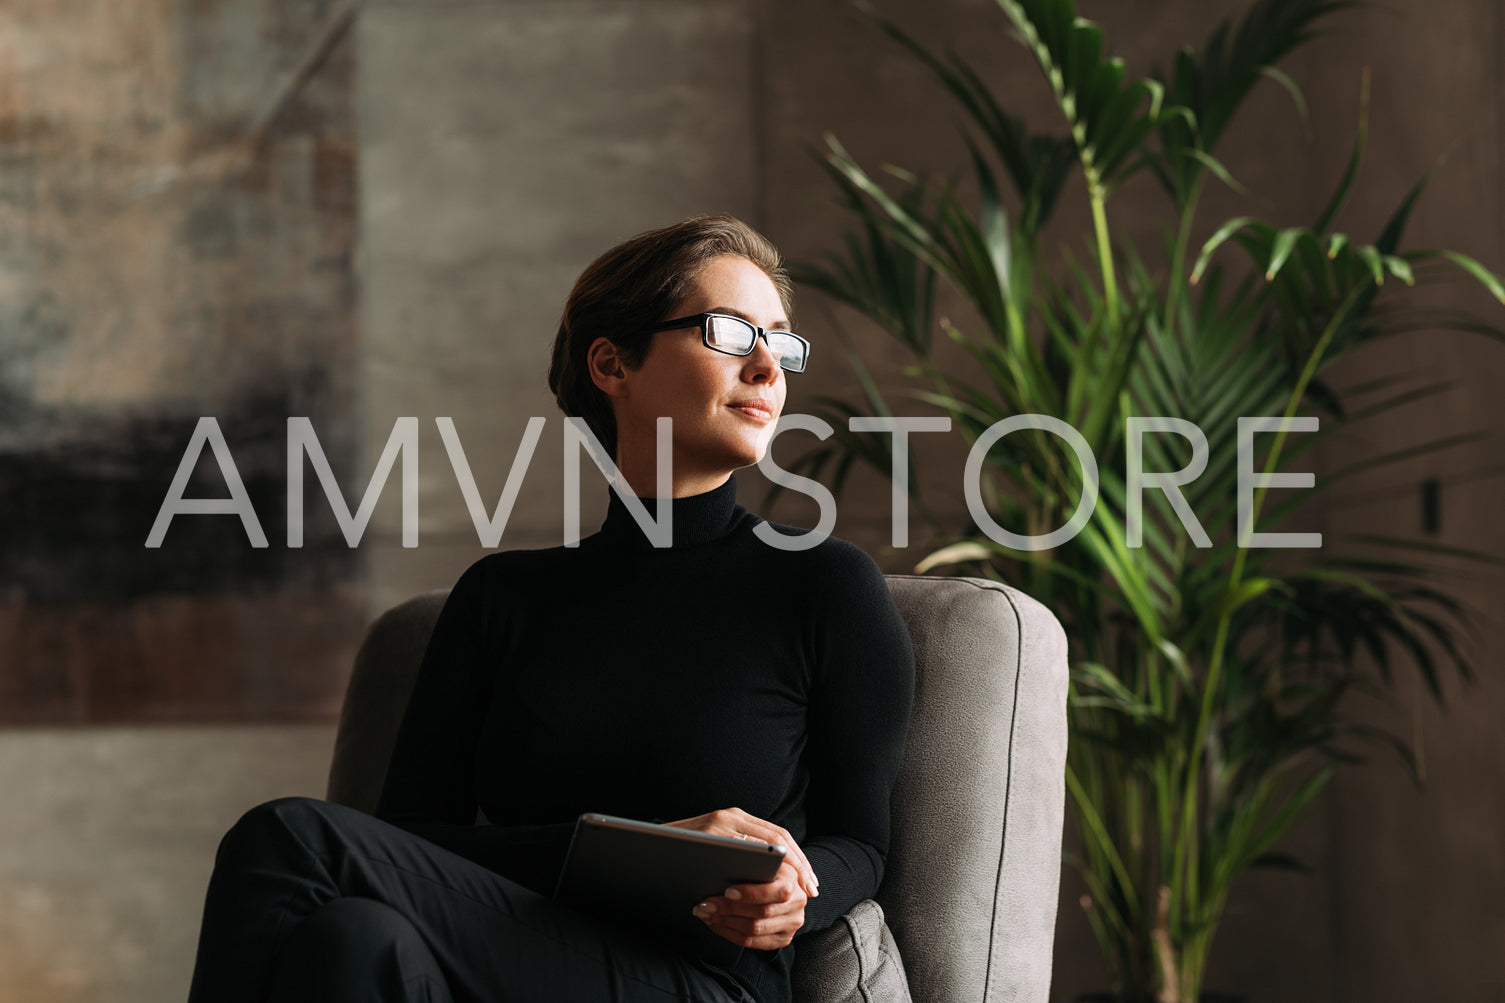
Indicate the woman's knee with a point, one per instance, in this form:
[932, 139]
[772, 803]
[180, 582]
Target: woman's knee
[267, 825]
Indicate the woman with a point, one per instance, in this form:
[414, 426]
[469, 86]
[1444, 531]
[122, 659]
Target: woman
[719, 684]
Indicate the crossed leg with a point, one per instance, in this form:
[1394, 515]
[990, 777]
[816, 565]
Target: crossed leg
[313, 900]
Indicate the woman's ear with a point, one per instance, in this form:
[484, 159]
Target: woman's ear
[607, 369]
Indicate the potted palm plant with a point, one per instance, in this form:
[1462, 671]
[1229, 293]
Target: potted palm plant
[1207, 671]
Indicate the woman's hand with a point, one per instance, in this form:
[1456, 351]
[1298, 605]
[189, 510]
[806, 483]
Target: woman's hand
[738, 823]
[765, 917]
[762, 916]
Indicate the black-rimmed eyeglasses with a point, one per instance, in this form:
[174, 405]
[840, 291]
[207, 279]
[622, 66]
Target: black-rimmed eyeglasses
[734, 336]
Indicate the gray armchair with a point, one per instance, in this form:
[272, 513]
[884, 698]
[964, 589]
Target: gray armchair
[967, 907]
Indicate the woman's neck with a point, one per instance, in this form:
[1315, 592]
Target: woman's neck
[642, 480]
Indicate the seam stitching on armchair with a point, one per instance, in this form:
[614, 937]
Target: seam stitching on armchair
[896, 963]
[987, 981]
[857, 952]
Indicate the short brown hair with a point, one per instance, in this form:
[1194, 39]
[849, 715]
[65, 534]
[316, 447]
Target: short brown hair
[634, 286]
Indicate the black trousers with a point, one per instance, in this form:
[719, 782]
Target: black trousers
[315, 901]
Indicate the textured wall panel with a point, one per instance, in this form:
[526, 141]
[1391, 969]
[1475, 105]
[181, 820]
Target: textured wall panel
[177, 228]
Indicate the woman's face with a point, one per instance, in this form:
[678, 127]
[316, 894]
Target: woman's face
[724, 406]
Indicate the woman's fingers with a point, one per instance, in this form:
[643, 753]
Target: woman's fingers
[764, 936]
[755, 898]
[764, 932]
[724, 908]
[768, 933]
[765, 916]
[759, 910]
[766, 831]
[736, 822]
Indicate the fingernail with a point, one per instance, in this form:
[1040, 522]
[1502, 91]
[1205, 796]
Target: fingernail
[705, 908]
[734, 895]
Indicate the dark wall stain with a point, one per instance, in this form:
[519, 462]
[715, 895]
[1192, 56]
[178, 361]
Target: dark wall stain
[78, 514]
[183, 245]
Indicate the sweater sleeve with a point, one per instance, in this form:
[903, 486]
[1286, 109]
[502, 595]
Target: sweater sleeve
[430, 784]
[862, 688]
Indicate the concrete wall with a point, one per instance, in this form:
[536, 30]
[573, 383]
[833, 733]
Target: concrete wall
[107, 841]
[503, 144]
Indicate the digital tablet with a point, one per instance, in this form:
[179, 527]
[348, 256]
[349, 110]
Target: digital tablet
[643, 872]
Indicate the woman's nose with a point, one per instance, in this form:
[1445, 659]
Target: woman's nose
[762, 360]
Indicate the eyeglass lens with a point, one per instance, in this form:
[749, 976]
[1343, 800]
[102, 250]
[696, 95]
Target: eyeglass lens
[728, 334]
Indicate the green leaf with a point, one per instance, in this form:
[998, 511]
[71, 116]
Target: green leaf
[1374, 262]
[956, 553]
[1215, 165]
[1289, 86]
[1219, 237]
[1281, 250]
[1489, 280]
[1389, 237]
[1400, 268]
[1102, 842]
[1339, 197]
[1108, 118]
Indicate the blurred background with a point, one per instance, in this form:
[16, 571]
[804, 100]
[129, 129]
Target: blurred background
[257, 209]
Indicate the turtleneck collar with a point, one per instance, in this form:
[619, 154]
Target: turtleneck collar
[695, 519]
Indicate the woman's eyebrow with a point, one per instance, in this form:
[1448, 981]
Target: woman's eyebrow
[778, 325]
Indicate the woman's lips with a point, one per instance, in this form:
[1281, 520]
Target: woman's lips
[756, 410]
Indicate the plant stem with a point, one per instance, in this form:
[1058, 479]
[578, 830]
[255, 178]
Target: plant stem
[1099, 199]
[1176, 283]
[1215, 661]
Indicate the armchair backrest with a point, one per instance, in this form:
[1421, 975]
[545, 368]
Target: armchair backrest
[974, 864]
[973, 869]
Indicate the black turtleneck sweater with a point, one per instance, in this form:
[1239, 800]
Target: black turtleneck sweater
[661, 684]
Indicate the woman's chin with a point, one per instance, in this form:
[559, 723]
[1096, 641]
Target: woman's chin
[754, 453]
[735, 452]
